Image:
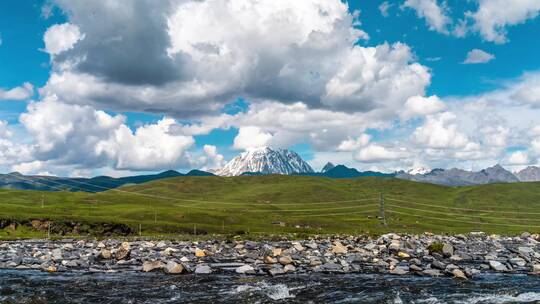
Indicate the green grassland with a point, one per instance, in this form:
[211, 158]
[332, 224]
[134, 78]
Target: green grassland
[303, 205]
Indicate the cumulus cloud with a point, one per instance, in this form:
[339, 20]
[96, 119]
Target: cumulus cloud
[26, 91]
[440, 131]
[518, 158]
[476, 56]
[434, 14]
[493, 17]
[251, 137]
[377, 153]
[422, 106]
[352, 144]
[61, 37]
[192, 57]
[87, 138]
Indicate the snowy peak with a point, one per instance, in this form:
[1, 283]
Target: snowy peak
[266, 161]
[329, 166]
[418, 170]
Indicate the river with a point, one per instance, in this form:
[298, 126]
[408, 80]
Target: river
[22, 286]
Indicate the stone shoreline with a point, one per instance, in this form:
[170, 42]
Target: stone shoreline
[459, 256]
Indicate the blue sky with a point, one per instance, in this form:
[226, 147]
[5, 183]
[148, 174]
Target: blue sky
[104, 94]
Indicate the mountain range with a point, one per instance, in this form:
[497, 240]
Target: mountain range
[266, 160]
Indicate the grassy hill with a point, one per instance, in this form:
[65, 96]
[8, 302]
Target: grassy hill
[282, 204]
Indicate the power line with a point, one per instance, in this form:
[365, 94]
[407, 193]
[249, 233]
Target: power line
[463, 214]
[197, 201]
[462, 209]
[460, 221]
[334, 214]
[311, 210]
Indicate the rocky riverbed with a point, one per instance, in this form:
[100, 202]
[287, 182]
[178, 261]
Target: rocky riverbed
[459, 256]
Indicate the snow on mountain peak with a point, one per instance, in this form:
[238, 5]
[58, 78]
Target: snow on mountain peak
[418, 170]
[267, 161]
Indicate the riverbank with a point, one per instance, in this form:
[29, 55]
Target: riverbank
[460, 256]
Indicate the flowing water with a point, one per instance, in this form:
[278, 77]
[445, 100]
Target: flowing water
[18, 286]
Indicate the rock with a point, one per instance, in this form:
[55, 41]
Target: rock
[525, 251]
[438, 265]
[432, 272]
[203, 269]
[447, 250]
[184, 259]
[56, 254]
[269, 260]
[199, 253]
[525, 235]
[277, 251]
[149, 266]
[276, 271]
[285, 260]
[518, 262]
[314, 262]
[298, 247]
[169, 251]
[70, 264]
[458, 274]
[395, 245]
[311, 245]
[497, 266]
[123, 252]
[289, 268]
[51, 269]
[338, 248]
[403, 255]
[536, 268]
[245, 269]
[173, 268]
[105, 254]
[415, 268]
[400, 270]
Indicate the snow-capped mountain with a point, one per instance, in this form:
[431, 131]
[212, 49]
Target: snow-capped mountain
[266, 161]
[418, 170]
[329, 166]
[529, 174]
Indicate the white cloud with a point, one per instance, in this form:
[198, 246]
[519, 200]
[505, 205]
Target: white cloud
[440, 131]
[434, 14]
[352, 144]
[377, 78]
[211, 158]
[478, 56]
[384, 7]
[251, 137]
[518, 158]
[85, 138]
[422, 106]
[494, 16]
[61, 37]
[377, 153]
[26, 91]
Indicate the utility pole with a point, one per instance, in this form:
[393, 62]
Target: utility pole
[381, 211]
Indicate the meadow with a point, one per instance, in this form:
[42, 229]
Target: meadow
[278, 205]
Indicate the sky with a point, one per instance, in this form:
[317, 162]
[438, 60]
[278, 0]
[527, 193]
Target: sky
[129, 86]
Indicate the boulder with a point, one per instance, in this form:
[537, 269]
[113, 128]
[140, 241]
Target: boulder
[51, 269]
[536, 268]
[169, 251]
[403, 255]
[123, 252]
[497, 266]
[269, 260]
[285, 260]
[149, 266]
[56, 254]
[400, 270]
[447, 250]
[289, 268]
[173, 268]
[395, 245]
[458, 274]
[245, 269]
[338, 248]
[277, 251]
[432, 272]
[105, 254]
[203, 269]
[199, 253]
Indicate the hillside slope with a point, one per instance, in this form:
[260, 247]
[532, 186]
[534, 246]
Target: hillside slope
[278, 204]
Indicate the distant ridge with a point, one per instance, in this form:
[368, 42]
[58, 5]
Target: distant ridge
[18, 181]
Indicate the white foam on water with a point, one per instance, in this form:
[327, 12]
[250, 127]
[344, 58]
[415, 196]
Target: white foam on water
[397, 299]
[527, 297]
[273, 291]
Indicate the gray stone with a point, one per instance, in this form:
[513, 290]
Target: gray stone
[497, 266]
[448, 250]
[173, 268]
[245, 269]
[203, 269]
